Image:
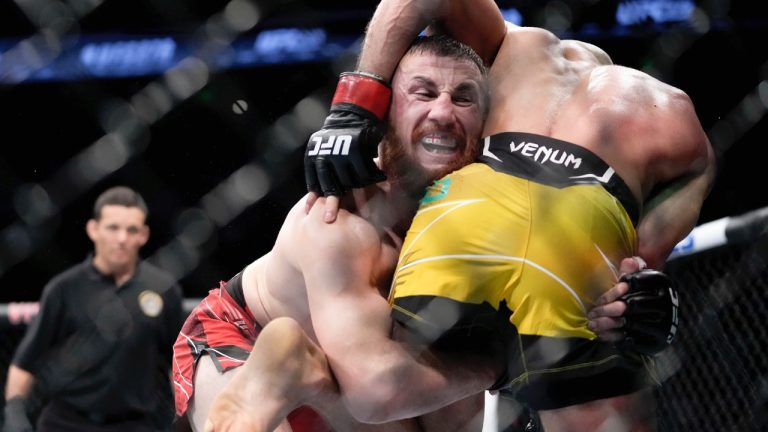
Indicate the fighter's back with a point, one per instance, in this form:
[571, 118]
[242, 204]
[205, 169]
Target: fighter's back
[645, 129]
[274, 285]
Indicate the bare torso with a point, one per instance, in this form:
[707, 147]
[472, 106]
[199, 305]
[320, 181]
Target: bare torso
[568, 90]
[274, 286]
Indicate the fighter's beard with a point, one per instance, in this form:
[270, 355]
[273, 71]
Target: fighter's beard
[408, 174]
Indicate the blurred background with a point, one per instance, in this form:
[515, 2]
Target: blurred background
[204, 108]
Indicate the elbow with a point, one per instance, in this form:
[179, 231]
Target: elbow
[653, 258]
[377, 398]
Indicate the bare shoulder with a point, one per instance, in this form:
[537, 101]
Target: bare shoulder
[640, 95]
[583, 51]
[660, 115]
[538, 43]
[349, 235]
[530, 36]
[525, 48]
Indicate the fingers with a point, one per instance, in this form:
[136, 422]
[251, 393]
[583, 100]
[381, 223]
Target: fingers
[332, 182]
[607, 328]
[611, 336]
[607, 319]
[628, 265]
[331, 208]
[310, 201]
[310, 176]
[611, 310]
[617, 290]
[337, 178]
[640, 262]
[631, 265]
[328, 178]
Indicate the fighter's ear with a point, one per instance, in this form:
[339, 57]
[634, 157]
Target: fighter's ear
[91, 228]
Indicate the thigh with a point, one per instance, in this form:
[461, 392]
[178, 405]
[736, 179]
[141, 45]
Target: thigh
[633, 412]
[208, 383]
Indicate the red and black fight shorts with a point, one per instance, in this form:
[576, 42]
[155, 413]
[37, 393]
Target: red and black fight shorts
[223, 327]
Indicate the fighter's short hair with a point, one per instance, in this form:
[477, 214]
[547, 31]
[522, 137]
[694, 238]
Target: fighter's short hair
[445, 46]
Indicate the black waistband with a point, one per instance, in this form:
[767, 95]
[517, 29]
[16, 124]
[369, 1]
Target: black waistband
[235, 289]
[555, 163]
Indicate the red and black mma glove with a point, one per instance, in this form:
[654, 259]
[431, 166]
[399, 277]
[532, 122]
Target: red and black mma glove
[651, 318]
[340, 156]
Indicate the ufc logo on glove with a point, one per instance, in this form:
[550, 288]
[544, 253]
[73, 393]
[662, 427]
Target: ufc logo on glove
[335, 145]
[675, 305]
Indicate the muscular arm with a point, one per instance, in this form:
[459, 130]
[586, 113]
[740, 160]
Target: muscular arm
[380, 379]
[478, 23]
[671, 213]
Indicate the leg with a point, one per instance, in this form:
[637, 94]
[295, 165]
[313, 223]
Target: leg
[465, 415]
[286, 370]
[512, 416]
[634, 412]
[208, 383]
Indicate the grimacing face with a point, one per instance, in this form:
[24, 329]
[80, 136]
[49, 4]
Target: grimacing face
[435, 119]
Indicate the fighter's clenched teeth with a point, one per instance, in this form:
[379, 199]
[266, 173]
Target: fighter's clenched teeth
[438, 143]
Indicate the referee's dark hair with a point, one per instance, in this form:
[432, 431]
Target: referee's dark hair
[119, 195]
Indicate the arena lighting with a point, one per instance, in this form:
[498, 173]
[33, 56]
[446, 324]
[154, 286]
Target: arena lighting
[115, 56]
[128, 57]
[631, 12]
[512, 15]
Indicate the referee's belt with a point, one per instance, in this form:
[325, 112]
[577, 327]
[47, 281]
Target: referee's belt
[105, 419]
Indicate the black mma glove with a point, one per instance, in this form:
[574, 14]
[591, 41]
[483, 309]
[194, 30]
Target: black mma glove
[16, 418]
[652, 312]
[340, 156]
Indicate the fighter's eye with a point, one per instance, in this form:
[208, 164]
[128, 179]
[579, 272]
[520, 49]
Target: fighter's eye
[424, 94]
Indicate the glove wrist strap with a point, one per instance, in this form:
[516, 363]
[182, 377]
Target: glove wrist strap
[365, 91]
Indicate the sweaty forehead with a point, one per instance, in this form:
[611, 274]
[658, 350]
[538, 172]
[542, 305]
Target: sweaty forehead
[440, 70]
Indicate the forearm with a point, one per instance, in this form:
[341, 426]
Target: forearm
[425, 380]
[382, 379]
[19, 383]
[670, 216]
[390, 32]
[477, 23]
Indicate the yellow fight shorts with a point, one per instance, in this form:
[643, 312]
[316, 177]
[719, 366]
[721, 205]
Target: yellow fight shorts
[506, 256]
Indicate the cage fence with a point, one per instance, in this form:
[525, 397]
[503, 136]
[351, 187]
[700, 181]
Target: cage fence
[716, 374]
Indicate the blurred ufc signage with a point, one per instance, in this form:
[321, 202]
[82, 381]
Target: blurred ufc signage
[632, 12]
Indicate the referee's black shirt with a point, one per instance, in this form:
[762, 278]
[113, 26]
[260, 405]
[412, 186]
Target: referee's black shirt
[98, 348]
